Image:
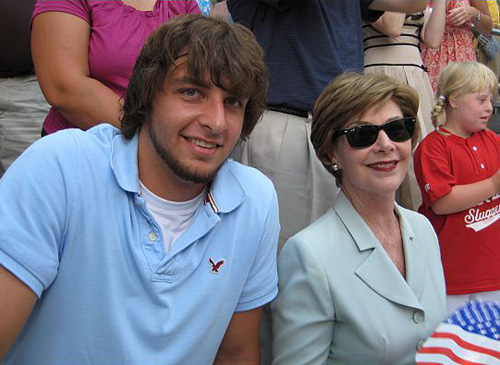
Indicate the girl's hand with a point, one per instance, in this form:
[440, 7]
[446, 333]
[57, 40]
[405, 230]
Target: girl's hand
[460, 16]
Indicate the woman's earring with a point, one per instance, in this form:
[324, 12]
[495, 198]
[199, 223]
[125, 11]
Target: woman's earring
[335, 167]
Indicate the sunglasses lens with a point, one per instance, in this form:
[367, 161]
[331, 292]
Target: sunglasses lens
[397, 130]
[363, 136]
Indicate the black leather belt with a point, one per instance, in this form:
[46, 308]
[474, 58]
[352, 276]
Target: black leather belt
[287, 110]
[7, 74]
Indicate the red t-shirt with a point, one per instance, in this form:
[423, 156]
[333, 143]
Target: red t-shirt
[469, 240]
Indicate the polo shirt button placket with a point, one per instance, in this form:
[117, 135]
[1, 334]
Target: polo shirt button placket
[152, 237]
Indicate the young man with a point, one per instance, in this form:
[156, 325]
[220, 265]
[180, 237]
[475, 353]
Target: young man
[146, 245]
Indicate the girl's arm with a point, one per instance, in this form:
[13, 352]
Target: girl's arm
[433, 27]
[463, 197]
[60, 43]
[390, 23]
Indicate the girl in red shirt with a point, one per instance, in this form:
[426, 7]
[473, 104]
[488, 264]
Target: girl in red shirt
[457, 169]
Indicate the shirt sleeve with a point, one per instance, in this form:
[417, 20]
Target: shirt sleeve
[303, 313]
[262, 284]
[433, 169]
[35, 200]
[79, 8]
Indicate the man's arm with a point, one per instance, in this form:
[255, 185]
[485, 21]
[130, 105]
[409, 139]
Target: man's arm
[240, 344]
[400, 6]
[16, 303]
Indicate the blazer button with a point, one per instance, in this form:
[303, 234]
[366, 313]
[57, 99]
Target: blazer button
[420, 344]
[418, 317]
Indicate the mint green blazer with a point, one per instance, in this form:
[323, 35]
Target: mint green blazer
[342, 300]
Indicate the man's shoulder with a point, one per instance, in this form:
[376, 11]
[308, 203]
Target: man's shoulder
[239, 185]
[65, 150]
[250, 179]
[101, 134]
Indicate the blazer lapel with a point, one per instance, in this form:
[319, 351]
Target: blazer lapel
[377, 270]
[416, 265]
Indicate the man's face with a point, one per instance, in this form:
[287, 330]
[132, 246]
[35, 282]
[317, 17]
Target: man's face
[194, 127]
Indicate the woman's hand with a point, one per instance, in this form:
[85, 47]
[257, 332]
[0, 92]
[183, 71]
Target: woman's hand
[462, 15]
[478, 14]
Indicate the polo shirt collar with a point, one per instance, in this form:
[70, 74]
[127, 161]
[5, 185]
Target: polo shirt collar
[124, 162]
[224, 194]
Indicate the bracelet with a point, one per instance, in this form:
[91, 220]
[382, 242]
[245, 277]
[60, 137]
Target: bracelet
[478, 18]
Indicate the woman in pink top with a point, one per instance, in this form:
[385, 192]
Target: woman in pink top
[84, 52]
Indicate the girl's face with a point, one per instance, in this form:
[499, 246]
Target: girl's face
[470, 113]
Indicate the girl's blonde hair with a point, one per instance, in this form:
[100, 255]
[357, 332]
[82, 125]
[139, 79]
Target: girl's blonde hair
[457, 79]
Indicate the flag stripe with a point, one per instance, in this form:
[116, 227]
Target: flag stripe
[466, 344]
[473, 338]
[461, 352]
[447, 352]
[433, 359]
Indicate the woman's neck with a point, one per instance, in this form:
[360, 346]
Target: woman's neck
[374, 209]
[377, 211]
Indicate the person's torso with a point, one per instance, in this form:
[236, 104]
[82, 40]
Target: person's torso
[382, 50]
[306, 45]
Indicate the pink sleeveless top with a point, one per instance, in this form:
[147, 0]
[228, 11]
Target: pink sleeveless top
[118, 32]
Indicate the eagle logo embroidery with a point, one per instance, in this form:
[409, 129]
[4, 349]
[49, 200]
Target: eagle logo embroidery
[215, 266]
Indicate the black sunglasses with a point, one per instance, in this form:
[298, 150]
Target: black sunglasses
[398, 130]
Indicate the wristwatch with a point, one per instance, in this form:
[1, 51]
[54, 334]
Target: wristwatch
[477, 19]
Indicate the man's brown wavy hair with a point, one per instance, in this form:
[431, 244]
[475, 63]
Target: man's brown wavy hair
[229, 54]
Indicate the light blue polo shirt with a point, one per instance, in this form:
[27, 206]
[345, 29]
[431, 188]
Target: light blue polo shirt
[74, 228]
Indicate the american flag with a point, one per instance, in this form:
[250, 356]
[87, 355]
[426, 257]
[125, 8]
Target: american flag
[469, 336]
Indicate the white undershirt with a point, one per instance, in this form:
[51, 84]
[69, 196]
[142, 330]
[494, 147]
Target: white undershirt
[172, 217]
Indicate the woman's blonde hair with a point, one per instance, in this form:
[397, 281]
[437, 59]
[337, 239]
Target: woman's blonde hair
[349, 96]
[457, 79]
